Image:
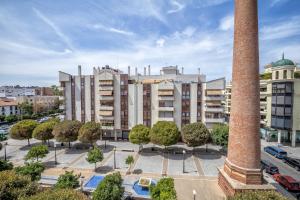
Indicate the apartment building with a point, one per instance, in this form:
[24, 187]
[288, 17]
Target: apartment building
[15, 91]
[279, 101]
[8, 107]
[119, 101]
[40, 103]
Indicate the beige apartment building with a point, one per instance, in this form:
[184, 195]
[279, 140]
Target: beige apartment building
[279, 102]
[119, 101]
[40, 103]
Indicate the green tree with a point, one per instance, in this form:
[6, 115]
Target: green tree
[195, 134]
[258, 195]
[5, 165]
[32, 169]
[219, 134]
[139, 134]
[2, 117]
[95, 155]
[129, 161]
[89, 133]
[44, 131]
[164, 133]
[23, 130]
[11, 118]
[110, 188]
[66, 131]
[67, 180]
[58, 194]
[26, 108]
[37, 152]
[164, 190]
[14, 186]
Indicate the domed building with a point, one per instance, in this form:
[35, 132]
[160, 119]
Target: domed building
[282, 100]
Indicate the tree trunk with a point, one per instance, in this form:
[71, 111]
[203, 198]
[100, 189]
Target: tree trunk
[28, 141]
[205, 147]
[37, 158]
[69, 144]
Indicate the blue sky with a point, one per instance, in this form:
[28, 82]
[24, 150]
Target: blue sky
[40, 37]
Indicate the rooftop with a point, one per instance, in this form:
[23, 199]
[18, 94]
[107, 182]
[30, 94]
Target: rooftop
[7, 102]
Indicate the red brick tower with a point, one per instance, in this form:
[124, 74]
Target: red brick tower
[242, 166]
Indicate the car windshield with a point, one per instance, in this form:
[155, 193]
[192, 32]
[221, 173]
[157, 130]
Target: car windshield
[273, 168]
[283, 153]
[295, 184]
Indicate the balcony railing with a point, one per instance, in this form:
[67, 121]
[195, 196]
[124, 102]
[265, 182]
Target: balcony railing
[214, 120]
[162, 108]
[168, 119]
[208, 109]
[106, 107]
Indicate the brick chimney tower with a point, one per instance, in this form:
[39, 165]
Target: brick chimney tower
[242, 165]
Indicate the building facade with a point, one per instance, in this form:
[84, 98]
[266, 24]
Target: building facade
[8, 107]
[119, 101]
[279, 101]
[40, 103]
[15, 91]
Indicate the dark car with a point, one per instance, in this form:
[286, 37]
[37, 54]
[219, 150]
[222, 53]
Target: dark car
[292, 162]
[275, 151]
[288, 182]
[269, 167]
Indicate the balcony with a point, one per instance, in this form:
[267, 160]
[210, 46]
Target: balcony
[166, 109]
[263, 112]
[215, 98]
[110, 108]
[107, 127]
[61, 107]
[106, 83]
[101, 117]
[109, 98]
[166, 93]
[168, 119]
[106, 87]
[214, 120]
[107, 113]
[208, 109]
[263, 94]
[166, 98]
[61, 98]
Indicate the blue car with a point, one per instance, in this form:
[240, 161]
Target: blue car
[275, 151]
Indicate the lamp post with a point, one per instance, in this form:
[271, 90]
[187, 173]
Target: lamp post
[55, 158]
[183, 158]
[194, 194]
[81, 182]
[105, 140]
[5, 144]
[114, 157]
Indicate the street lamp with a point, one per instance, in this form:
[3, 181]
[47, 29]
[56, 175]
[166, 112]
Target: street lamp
[5, 144]
[114, 157]
[105, 140]
[194, 194]
[55, 158]
[183, 158]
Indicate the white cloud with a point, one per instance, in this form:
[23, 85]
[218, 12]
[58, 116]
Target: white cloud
[54, 27]
[276, 2]
[189, 31]
[178, 7]
[160, 42]
[113, 30]
[227, 23]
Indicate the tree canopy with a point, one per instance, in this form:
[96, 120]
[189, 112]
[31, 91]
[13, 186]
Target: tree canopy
[258, 195]
[14, 186]
[37, 152]
[164, 133]
[139, 134]
[32, 169]
[58, 194]
[90, 132]
[195, 134]
[164, 190]
[23, 130]
[66, 131]
[110, 188]
[219, 134]
[68, 180]
[95, 155]
[44, 130]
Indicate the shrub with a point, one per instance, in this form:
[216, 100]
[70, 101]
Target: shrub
[164, 190]
[110, 188]
[5, 165]
[58, 194]
[258, 195]
[220, 134]
[14, 186]
[11, 118]
[89, 133]
[34, 170]
[139, 134]
[67, 180]
[95, 155]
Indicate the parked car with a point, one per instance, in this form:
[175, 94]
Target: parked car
[292, 162]
[288, 182]
[275, 151]
[269, 167]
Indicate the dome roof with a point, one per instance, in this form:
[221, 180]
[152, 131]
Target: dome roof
[282, 62]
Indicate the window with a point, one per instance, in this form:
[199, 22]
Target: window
[284, 74]
[277, 75]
